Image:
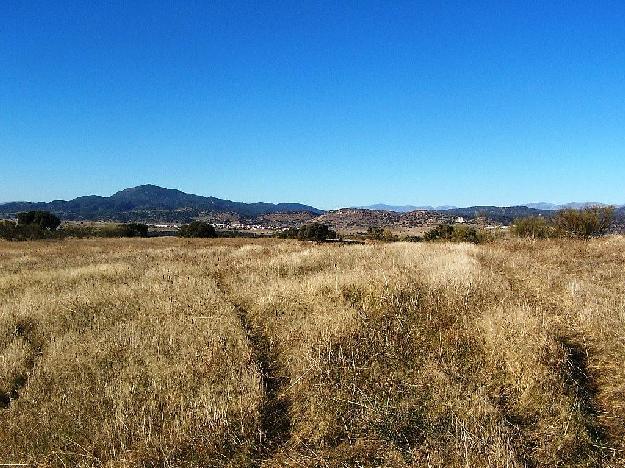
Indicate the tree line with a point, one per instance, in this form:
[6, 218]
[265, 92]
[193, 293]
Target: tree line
[35, 225]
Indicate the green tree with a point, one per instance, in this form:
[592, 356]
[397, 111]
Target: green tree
[44, 219]
[315, 232]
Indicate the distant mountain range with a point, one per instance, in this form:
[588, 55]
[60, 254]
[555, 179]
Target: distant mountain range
[574, 205]
[543, 206]
[499, 214]
[404, 208]
[151, 203]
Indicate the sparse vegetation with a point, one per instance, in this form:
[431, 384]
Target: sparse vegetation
[234, 353]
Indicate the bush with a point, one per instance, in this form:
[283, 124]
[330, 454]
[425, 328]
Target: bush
[133, 230]
[585, 223]
[290, 233]
[43, 219]
[535, 227]
[442, 231]
[379, 233]
[467, 234]
[7, 230]
[33, 231]
[313, 231]
[79, 232]
[22, 232]
[197, 229]
[121, 230]
[316, 232]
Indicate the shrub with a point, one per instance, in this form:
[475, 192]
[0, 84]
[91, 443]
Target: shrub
[535, 227]
[375, 232]
[22, 232]
[7, 230]
[121, 230]
[442, 231]
[585, 223]
[290, 233]
[455, 234]
[197, 229]
[133, 230]
[315, 232]
[467, 234]
[43, 219]
[379, 233]
[79, 232]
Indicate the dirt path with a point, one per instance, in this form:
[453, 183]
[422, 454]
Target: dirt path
[575, 374]
[275, 421]
[26, 331]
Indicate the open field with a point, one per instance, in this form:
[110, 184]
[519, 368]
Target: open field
[240, 353]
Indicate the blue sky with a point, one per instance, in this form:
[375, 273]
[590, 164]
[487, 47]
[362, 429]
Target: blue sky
[327, 103]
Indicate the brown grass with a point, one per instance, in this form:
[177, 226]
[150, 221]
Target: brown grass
[169, 352]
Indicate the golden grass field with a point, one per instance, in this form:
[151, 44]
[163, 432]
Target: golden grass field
[240, 353]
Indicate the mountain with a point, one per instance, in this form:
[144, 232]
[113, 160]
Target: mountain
[541, 206]
[152, 203]
[573, 205]
[385, 207]
[404, 208]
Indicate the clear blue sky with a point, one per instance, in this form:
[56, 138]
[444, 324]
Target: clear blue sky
[327, 103]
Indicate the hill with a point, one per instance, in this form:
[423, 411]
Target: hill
[498, 214]
[152, 203]
[405, 208]
[359, 219]
[553, 207]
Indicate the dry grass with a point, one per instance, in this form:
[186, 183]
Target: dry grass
[167, 352]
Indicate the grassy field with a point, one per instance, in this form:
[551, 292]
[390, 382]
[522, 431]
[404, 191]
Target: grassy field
[239, 353]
